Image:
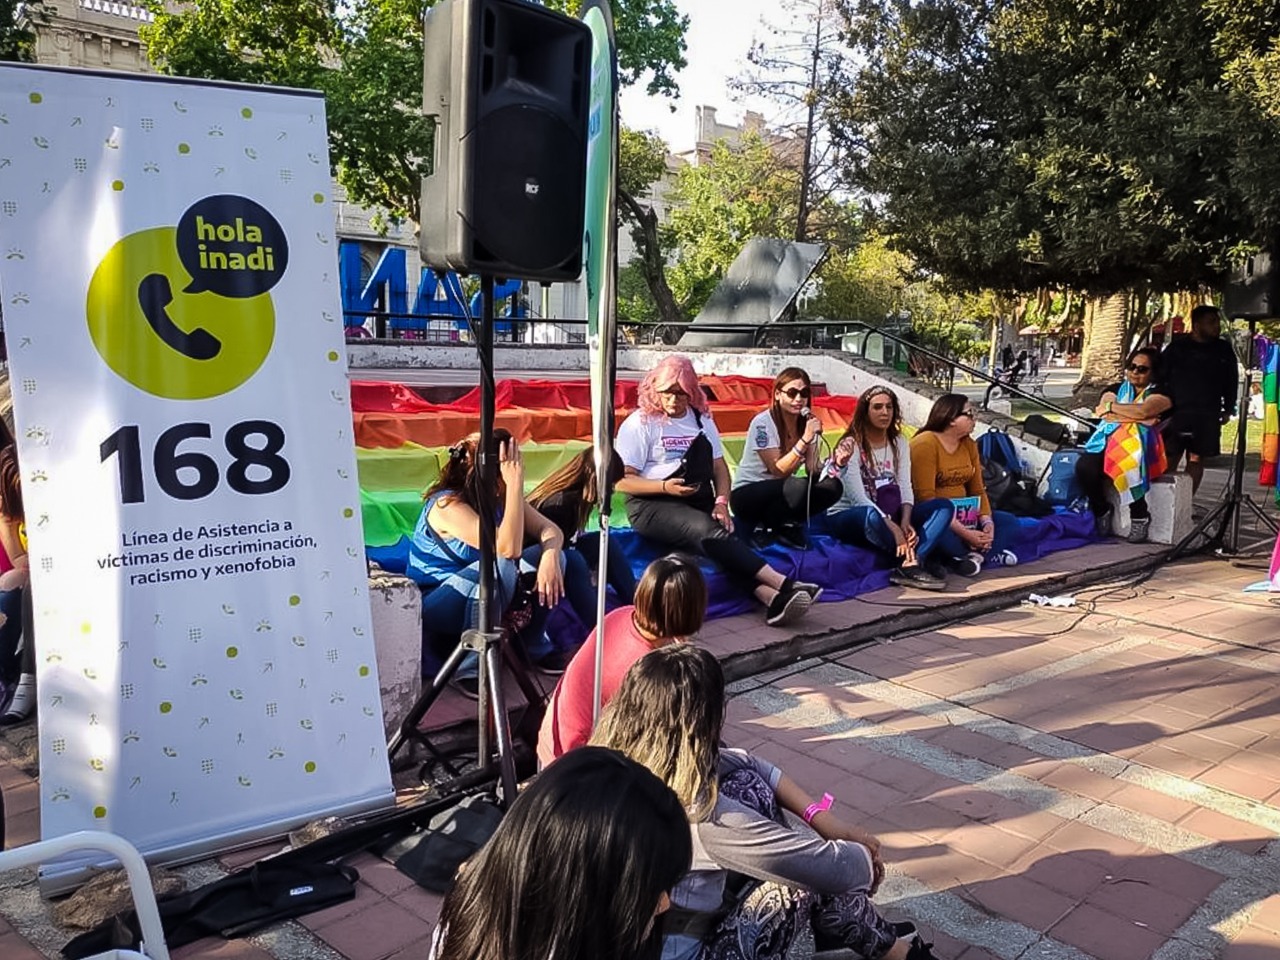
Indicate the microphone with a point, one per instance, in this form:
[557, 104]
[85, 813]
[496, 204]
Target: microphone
[807, 414]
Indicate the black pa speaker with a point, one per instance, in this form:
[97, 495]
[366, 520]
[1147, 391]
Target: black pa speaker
[1252, 291]
[507, 82]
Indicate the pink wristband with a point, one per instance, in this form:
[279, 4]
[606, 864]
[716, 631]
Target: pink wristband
[822, 806]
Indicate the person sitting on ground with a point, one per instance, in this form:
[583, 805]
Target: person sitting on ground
[580, 868]
[756, 879]
[671, 605]
[1125, 450]
[566, 498]
[444, 554]
[768, 491]
[877, 510]
[945, 463]
[677, 487]
[1198, 373]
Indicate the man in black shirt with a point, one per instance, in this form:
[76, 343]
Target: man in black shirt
[1198, 372]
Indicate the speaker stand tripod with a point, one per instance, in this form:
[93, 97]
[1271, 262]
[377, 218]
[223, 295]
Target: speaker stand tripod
[1227, 511]
[488, 641]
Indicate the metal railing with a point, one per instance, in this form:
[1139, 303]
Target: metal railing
[857, 337]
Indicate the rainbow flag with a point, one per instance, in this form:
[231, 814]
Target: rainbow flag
[402, 439]
[1134, 456]
[1269, 362]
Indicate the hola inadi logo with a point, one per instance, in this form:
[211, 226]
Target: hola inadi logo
[184, 312]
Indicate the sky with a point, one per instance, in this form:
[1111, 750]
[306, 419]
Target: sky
[719, 36]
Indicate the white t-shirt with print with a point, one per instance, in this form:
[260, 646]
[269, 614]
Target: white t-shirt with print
[653, 445]
[762, 434]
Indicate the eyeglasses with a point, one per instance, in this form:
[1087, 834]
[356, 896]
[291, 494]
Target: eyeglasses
[791, 393]
[1138, 368]
[674, 391]
[965, 413]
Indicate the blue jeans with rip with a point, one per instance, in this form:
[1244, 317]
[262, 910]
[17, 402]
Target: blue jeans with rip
[453, 606]
[865, 526]
[581, 561]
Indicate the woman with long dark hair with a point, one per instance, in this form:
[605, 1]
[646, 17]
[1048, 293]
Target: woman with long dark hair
[566, 498]
[878, 508]
[768, 491]
[945, 463]
[671, 604]
[444, 553]
[677, 487]
[1126, 451]
[756, 879]
[17, 646]
[579, 868]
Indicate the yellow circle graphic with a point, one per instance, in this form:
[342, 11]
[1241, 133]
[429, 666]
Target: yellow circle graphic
[165, 340]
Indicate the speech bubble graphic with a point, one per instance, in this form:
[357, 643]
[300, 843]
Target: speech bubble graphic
[163, 339]
[232, 246]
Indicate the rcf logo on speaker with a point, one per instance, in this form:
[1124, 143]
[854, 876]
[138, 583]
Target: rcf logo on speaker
[531, 187]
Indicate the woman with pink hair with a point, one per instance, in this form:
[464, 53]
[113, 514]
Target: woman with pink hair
[677, 487]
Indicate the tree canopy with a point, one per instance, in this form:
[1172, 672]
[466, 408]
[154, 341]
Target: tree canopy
[17, 39]
[1096, 144]
[366, 55]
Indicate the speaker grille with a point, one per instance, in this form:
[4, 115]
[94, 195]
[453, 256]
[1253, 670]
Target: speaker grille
[529, 175]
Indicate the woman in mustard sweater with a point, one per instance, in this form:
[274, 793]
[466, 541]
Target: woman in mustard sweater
[945, 463]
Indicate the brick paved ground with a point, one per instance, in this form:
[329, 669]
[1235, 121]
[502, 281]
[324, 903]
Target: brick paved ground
[1100, 781]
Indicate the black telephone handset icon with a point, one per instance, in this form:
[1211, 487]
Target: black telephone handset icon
[154, 295]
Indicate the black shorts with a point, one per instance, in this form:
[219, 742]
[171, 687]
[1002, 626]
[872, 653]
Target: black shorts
[1198, 433]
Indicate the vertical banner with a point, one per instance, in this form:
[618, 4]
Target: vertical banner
[600, 240]
[169, 276]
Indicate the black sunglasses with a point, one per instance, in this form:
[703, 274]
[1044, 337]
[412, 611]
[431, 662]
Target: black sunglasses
[1138, 368]
[792, 393]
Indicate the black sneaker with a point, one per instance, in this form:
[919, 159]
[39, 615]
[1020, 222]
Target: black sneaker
[812, 589]
[824, 942]
[936, 569]
[916, 576]
[787, 607]
[970, 565]
[761, 538]
[920, 950]
[793, 537]
[1102, 524]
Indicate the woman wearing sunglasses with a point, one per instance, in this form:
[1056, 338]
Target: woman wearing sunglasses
[945, 463]
[677, 487]
[776, 487]
[1125, 450]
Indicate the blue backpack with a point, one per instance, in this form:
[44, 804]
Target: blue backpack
[996, 446]
[1064, 488]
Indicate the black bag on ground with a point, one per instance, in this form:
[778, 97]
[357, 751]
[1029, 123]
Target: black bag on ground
[998, 481]
[231, 907]
[1046, 429]
[431, 855]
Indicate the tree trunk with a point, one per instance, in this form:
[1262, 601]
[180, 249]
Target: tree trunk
[1105, 328]
[644, 231]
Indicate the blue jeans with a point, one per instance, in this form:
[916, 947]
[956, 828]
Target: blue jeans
[1006, 533]
[866, 527]
[581, 561]
[453, 606]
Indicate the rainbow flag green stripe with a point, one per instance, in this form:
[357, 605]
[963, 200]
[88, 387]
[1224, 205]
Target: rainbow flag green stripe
[392, 481]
